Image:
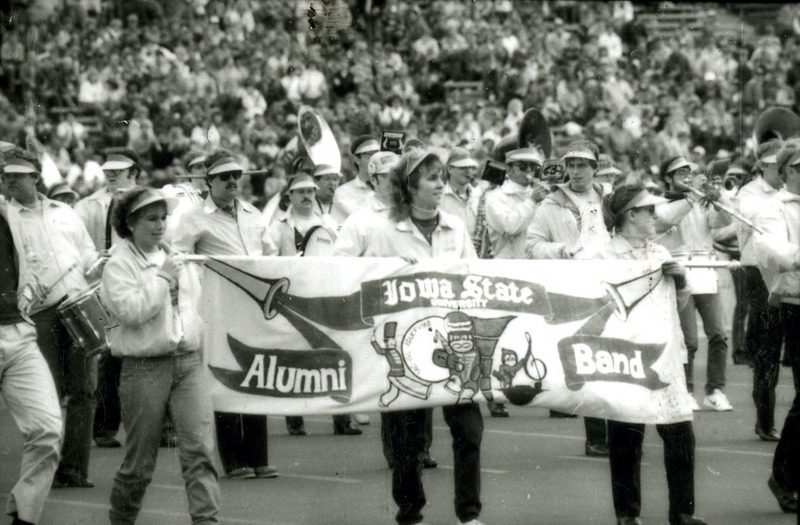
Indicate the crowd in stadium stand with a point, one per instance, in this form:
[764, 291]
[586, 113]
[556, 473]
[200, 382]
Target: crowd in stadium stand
[162, 77]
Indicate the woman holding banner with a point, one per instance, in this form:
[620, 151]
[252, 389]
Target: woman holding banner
[152, 295]
[630, 215]
[417, 229]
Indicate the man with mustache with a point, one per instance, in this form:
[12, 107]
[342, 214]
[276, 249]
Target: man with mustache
[226, 225]
[289, 235]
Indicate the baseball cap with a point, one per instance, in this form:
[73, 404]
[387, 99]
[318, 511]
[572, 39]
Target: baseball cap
[382, 162]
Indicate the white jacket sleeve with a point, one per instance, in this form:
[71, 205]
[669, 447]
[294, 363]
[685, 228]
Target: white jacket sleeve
[508, 219]
[773, 249]
[539, 243]
[131, 301]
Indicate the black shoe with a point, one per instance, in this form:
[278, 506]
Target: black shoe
[18, 521]
[740, 358]
[629, 521]
[498, 410]
[71, 482]
[772, 435]
[349, 430]
[787, 499]
[297, 431]
[429, 462]
[107, 442]
[561, 415]
[687, 519]
[596, 451]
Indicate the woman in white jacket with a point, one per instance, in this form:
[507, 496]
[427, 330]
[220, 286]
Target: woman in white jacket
[153, 297]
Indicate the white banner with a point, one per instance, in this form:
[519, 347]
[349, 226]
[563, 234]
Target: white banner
[295, 336]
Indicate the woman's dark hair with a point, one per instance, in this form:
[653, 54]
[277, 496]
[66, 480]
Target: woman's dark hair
[402, 184]
[662, 170]
[120, 216]
[614, 202]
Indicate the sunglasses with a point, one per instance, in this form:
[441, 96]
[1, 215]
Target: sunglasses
[225, 177]
[530, 167]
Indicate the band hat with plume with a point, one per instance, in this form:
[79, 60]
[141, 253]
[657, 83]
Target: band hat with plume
[152, 196]
[460, 158]
[364, 144]
[224, 164]
[118, 161]
[525, 155]
[382, 162]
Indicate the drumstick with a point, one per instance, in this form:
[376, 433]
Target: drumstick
[49, 289]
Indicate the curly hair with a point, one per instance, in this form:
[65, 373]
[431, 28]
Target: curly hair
[120, 217]
[402, 184]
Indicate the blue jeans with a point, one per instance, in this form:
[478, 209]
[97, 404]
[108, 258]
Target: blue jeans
[147, 387]
[710, 310]
[27, 387]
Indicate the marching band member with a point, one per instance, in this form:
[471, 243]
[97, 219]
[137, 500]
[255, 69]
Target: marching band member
[154, 297]
[461, 169]
[61, 192]
[778, 252]
[26, 384]
[764, 334]
[688, 227]
[510, 208]
[225, 225]
[121, 169]
[327, 180]
[350, 196]
[190, 192]
[289, 236]
[418, 229]
[630, 212]
[58, 253]
[569, 220]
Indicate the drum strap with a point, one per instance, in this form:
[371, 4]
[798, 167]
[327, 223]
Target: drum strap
[301, 241]
[108, 222]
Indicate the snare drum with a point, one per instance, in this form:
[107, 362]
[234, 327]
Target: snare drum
[699, 280]
[86, 320]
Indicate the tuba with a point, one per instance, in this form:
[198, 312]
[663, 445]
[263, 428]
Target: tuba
[776, 123]
[313, 145]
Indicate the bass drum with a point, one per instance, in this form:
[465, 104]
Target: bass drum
[318, 242]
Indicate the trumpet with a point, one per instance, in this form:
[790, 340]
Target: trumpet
[718, 205]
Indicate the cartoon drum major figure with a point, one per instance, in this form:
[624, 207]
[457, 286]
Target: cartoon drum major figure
[459, 354]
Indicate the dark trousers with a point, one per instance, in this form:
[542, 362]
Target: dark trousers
[625, 448]
[339, 423]
[242, 440]
[387, 443]
[76, 379]
[786, 462]
[107, 412]
[596, 432]
[406, 433]
[740, 312]
[764, 339]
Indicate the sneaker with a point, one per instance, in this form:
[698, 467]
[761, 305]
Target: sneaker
[470, 522]
[717, 401]
[242, 473]
[693, 403]
[361, 419]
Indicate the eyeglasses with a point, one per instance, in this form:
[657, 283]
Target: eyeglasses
[225, 177]
[529, 167]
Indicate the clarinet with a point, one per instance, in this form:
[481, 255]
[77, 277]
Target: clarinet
[480, 236]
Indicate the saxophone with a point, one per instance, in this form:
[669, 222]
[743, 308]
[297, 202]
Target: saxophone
[480, 236]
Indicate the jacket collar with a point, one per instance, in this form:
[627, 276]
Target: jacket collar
[209, 206]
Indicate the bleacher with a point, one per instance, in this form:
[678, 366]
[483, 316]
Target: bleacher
[666, 19]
